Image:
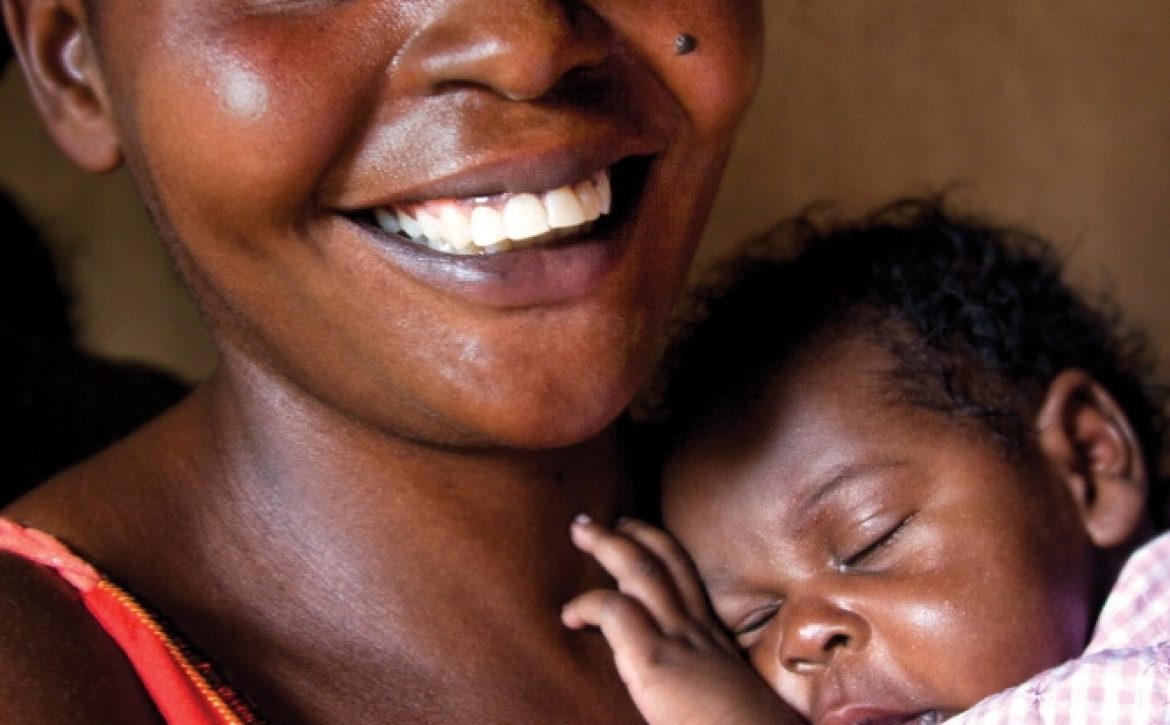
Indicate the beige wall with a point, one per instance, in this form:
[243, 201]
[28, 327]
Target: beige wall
[129, 303]
[1050, 113]
[1053, 114]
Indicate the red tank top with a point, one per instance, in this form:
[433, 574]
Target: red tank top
[185, 688]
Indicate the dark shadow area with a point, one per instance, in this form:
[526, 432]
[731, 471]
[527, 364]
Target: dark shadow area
[60, 404]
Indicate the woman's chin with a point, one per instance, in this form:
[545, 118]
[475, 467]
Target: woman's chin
[541, 424]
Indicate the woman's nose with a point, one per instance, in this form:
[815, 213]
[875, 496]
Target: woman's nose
[519, 49]
[816, 631]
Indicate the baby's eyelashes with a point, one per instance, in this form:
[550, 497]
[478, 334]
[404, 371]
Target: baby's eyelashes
[871, 548]
[747, 627]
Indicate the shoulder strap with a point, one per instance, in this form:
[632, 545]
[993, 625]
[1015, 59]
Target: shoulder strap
[185, 691]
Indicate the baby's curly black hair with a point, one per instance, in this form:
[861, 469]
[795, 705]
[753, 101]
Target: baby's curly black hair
[976, 317]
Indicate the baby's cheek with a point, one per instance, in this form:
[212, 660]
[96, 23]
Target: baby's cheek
[955, 649]
[932, 618]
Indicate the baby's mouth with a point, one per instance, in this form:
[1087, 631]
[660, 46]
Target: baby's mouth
[930, 717]
[872, 716]
[501, 222]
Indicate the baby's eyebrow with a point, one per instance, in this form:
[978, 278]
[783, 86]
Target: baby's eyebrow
[837, 479]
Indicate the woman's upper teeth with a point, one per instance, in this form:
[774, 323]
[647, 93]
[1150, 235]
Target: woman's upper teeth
[500, 223]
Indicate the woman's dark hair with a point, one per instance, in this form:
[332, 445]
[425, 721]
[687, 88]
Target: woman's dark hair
[975, 316]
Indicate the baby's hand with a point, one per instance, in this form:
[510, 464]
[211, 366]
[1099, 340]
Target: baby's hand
[679, 665]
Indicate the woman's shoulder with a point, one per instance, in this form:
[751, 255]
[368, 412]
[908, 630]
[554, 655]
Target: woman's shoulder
[59, 664]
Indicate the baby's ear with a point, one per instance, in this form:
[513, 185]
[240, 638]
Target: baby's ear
[53, 41]
[1086, 435]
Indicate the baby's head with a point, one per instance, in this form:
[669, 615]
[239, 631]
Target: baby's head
[907, 462]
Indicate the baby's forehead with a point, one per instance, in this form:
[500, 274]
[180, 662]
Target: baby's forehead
[834, 411]
[834, 371]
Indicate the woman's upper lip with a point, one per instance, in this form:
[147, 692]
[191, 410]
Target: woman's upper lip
[514, 170]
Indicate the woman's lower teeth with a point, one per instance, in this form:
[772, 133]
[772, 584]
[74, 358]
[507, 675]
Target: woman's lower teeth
[501, 223]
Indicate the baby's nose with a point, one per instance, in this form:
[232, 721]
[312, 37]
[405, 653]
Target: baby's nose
[815, 631]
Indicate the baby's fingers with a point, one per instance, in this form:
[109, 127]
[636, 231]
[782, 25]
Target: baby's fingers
[675, 559]
[638, 572]
[626, 625]
[671, 681]
[618, 616]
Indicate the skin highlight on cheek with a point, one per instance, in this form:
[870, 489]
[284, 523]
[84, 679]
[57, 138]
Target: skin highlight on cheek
[242, 92]
[932, 616]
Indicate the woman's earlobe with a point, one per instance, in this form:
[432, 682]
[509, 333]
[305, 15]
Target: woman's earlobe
[52, 40]
[1086, 435]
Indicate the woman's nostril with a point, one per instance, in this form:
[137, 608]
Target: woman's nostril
[520, 57]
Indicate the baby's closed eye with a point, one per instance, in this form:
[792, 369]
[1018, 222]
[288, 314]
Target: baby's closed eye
[747, 624]
[868, 548]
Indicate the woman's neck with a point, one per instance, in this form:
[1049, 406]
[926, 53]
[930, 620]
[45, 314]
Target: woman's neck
[272, 531]
[432, 549]
[285, 455]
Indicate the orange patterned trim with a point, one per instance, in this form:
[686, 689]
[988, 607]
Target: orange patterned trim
[205, 689]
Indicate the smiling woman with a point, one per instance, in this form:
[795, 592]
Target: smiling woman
[360, 516]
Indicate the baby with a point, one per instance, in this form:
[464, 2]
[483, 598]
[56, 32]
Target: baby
[928, 478]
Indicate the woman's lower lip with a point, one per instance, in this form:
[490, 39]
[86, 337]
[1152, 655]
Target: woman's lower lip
[535, 276]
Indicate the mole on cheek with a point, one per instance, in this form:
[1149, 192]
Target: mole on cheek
[243, 92]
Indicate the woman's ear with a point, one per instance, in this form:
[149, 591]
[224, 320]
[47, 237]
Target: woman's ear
[1085, 434]
[53, 41]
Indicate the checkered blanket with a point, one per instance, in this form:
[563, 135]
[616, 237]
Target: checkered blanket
[1123, 678]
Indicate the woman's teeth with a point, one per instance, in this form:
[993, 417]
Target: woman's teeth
[500, 223]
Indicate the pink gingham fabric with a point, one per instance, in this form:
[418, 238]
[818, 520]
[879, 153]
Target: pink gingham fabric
[1123, 678]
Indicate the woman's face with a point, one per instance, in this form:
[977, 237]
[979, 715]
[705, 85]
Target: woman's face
[276, 139]
[879, 562]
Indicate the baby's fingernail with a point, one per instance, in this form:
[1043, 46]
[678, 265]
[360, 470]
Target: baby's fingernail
[582, 519]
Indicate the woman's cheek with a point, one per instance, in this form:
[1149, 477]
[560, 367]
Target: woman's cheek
[242, 92]
[718, 79]
[715, 79]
